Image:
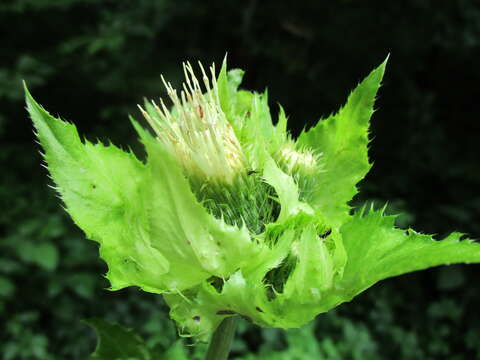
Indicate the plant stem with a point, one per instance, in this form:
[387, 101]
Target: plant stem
[222, 338]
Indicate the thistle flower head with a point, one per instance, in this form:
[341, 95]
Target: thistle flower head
[228, 215]
[196, 131]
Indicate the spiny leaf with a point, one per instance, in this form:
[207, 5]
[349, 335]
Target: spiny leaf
[377, 250]
[103, 189]
[342, 139]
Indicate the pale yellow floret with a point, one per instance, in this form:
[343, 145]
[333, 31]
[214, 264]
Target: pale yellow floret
[196, 130]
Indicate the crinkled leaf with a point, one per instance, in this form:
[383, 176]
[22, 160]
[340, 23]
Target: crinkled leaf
[244, 293]
[103, 189]
[314, 271]
[342, 139]
[377, 250]
[286, 189]
[115, 342]
[247, 294]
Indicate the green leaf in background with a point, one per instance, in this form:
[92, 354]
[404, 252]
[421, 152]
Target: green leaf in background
[302, 345]
[43, 254]
[7, 287]
[176, 352]
[116, 342]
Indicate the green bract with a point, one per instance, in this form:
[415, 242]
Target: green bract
[229, 214]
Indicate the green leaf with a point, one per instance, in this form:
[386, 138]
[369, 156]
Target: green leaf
[104, 190]
[44, 254]
[450, 278]
[342, 141]
[312, 257]
[83, 284]
[377, 250]
[7, 287]
[175, 352]
[286, 189]
[116, 342]
[257, 134]
[226, 89]
[302, 345]
[249, 114]
[199, 313]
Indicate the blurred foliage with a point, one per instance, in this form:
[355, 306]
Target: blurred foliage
[92, 61]
[116, 342]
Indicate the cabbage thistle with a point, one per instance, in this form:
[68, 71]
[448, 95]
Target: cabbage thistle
[229, 215]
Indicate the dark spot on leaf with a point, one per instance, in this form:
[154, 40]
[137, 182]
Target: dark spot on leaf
[225, 312]
[276, 278]
[248, 318]
[326, 233]
[217, 283]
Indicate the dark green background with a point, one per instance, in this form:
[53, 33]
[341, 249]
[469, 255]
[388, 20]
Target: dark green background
[91, 61]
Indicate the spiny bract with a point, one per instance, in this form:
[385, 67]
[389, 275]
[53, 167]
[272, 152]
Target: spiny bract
[229, 214]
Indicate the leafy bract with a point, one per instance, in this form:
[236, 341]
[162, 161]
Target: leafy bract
[376, 250]
[103, 189]
[286, 189]
[249, 114]
[342, 140]
[294, 298]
